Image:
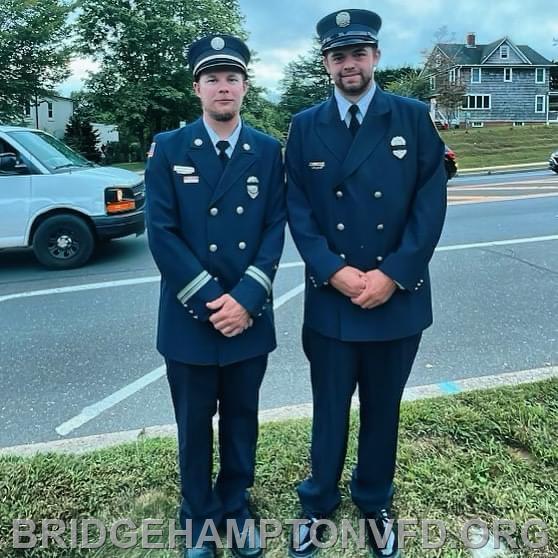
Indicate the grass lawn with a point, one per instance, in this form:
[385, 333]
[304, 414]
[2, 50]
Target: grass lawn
[485, 147]
[488, 455]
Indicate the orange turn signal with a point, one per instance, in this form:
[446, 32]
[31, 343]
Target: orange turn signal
[121, 206]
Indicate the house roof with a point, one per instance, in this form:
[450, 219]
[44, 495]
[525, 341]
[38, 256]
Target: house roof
[463, 56]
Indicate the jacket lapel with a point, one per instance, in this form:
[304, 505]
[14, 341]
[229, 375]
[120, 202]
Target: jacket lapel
[202, 153]
[332, 131]
[243, 157]
[373, 128]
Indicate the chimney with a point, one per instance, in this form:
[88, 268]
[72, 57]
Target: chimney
[470, 40]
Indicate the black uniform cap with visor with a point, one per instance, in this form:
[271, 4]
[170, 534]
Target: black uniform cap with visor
[218, 51]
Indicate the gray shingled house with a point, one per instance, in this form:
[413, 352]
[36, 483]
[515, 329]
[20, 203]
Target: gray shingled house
[496, 83]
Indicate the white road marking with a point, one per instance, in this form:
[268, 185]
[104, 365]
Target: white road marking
[97, 441]
[287, 265]
[93, 411]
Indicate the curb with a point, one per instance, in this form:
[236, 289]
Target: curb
[503, 169]
[90, 443]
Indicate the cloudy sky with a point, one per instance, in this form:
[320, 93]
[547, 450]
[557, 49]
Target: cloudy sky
[280, 30]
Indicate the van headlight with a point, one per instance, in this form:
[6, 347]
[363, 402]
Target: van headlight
[119, 200]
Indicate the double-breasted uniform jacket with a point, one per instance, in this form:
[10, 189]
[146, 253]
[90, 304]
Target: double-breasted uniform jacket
[213, 232]
[377, 201]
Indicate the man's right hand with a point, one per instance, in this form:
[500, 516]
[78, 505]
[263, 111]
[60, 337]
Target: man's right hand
[349, 280]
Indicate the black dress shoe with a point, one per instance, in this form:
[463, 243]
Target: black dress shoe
[306, 546]
[251, 547]
[383, 543]
[207, 550]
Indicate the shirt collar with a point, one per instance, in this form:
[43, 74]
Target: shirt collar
[232, 139]
[343, 104]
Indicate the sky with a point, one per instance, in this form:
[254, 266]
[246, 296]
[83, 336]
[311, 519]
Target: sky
[281, 30]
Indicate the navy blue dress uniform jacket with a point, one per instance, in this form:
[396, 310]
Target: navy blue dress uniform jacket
[376, 202]
[212, 234]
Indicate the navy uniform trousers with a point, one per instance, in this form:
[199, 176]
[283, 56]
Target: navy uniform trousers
[198, 392]
[373, 202]
[380, 369]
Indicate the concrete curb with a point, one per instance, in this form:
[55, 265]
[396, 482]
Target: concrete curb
[503, 169]
[90, 443]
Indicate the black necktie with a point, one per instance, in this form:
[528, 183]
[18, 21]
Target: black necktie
[354, 124]
[222, 146]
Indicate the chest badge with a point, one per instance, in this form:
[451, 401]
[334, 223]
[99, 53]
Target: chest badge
[180, 169]
[398, 146]
[316, 165]
[253, 186]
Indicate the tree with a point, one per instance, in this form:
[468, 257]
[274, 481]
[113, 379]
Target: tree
[409, 84]
[304, 84]
[81, 137]
[143, 84]
[440, 65]
[34, 52]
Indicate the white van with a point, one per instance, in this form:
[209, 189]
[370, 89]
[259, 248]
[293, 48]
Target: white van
[59, 203]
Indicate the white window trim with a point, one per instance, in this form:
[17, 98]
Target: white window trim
[432, 80]
[477, 124]
[511, 74]
[473, 73]
[543, 109]
[481, 95]
[506, 49]
[50, 110]
[543, 73]
[452, 77]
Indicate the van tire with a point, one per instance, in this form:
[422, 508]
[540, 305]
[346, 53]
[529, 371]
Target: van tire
[63, 242]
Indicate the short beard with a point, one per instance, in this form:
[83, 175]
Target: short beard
[222, 116]
[354, 90]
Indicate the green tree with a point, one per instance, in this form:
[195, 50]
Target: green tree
[81, 136]
[143, 84]
[34, 51]
[409, 83]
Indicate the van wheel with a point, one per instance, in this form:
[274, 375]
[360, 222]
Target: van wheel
[63, 242]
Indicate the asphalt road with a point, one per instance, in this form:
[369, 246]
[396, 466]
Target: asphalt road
[77, 353]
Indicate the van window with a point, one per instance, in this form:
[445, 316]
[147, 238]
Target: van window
[20, 166]
[52, 153]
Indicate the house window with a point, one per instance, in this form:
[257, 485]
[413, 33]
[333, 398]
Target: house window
[475, 75]
[50, 111]
[27, 110]
[432, 82]
[452, 75]
[540, 103]
[504, 52]
[507, 74]
[476, 102]
[519, 123]
[477, 124]
[540, 75]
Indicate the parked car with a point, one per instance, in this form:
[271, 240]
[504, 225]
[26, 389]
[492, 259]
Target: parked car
[60, 204]
[450, 162]
[553, 161]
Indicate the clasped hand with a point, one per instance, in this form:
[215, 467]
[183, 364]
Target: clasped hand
[229, 317]
[365, 289]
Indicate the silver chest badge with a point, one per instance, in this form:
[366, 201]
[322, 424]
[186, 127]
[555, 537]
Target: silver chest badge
[253, 186]
[399, 146]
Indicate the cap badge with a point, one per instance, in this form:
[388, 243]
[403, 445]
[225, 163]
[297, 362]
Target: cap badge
[343, 19]
[217, 43]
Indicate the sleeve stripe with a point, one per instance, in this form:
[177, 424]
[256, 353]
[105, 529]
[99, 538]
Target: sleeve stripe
[193, 287]
[259, 276]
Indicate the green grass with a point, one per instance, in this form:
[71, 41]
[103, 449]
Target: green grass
[491, 454]
[494, 146]
[138, 166]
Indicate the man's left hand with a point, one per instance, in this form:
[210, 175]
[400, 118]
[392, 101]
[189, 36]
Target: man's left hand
[379, 289]
[229, 317]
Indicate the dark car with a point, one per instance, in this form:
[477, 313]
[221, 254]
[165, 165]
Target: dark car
[553, 161]
[450, 162]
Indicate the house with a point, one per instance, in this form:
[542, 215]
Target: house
[491, 84]
[50, 114]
